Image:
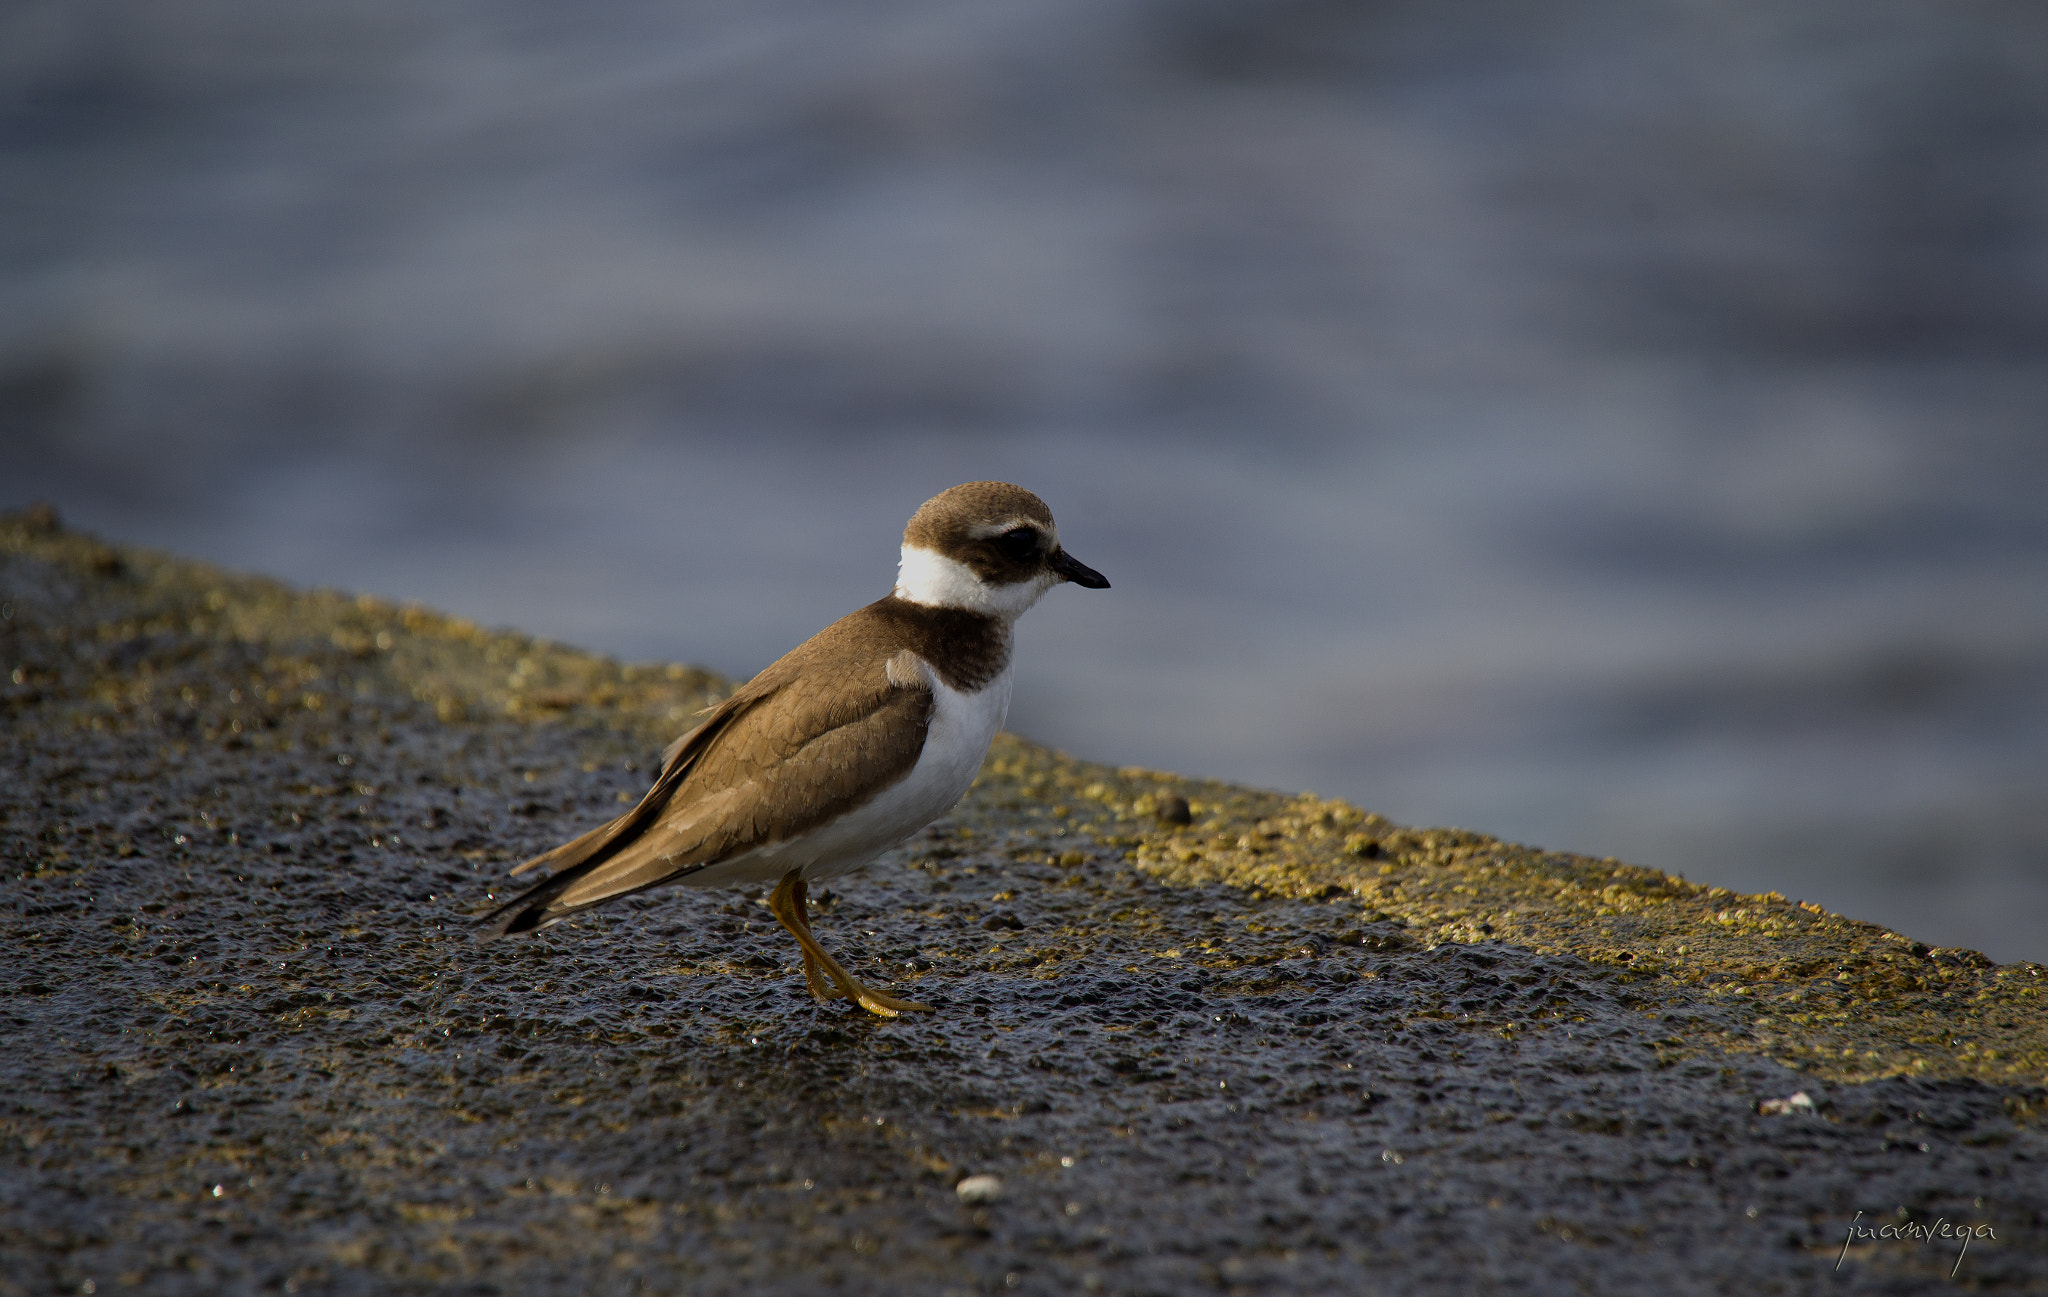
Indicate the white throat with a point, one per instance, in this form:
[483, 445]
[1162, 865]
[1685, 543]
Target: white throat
[930, 578]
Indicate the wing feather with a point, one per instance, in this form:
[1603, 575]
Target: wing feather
[790, 751]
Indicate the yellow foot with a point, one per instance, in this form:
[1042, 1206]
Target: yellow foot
[826, 976]
[887, 1006]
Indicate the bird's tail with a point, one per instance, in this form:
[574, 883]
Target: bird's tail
[567, 863]
[610, 869]
[620, 849]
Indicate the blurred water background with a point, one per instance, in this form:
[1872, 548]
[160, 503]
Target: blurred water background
[1616, 425]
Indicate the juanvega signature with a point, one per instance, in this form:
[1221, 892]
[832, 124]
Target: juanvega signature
[1913, 1231]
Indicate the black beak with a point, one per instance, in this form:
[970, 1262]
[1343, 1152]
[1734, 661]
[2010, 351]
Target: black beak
[1067, 568]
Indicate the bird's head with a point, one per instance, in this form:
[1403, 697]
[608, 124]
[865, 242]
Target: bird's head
[989, 547]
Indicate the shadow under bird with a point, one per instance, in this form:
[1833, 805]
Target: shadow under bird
[844, 747]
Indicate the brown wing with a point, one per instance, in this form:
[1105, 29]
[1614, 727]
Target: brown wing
[805, 741]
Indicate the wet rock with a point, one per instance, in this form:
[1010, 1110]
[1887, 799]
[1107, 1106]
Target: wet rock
[252, 1047]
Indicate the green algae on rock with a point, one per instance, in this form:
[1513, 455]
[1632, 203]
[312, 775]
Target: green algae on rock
[1841, 998]
[310, 648]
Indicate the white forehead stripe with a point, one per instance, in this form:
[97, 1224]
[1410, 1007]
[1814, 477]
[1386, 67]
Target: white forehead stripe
[930, 578]
[984, 530]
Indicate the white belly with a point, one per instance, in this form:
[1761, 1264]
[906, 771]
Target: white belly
[962, 727]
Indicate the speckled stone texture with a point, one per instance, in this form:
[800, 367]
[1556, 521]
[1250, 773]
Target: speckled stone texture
[251, 1047]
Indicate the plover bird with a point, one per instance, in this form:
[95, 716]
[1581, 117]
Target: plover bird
[847, 745]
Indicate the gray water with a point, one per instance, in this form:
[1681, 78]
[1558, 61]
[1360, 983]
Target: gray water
[1614, 426]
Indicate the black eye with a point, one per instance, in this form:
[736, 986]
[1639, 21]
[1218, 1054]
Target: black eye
[1018, 543]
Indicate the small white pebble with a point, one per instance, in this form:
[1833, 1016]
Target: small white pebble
[1800, 1102]
[979, 1188]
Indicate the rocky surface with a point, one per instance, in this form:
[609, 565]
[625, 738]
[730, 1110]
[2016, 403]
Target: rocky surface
[1206, 1039]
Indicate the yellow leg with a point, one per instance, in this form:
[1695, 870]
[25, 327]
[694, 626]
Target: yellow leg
[787, 905]
[814, 973]
[821, 985]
